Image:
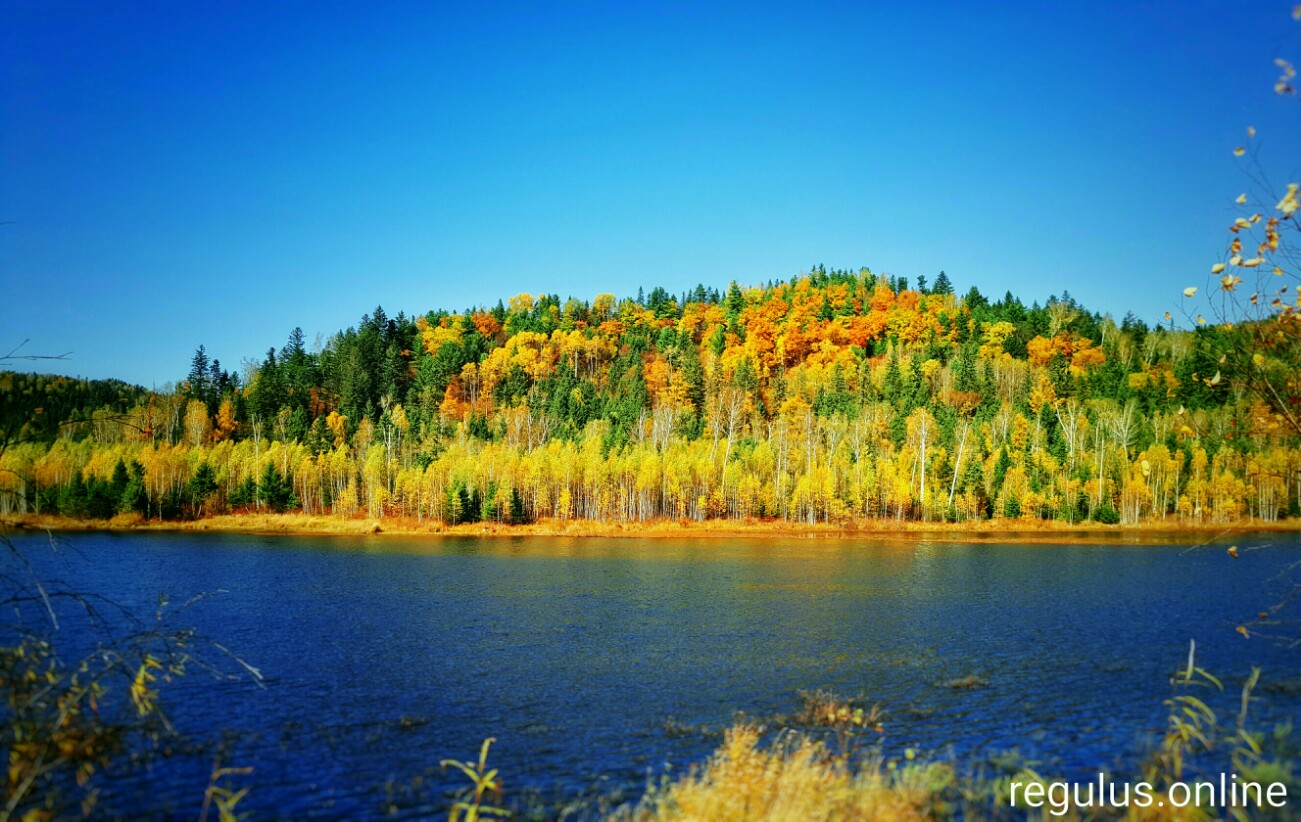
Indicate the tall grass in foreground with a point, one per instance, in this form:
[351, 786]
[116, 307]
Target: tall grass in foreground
[797, 779]
[797, 776]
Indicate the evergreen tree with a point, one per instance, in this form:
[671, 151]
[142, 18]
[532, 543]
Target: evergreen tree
[199, 376]
[118, 484]
[892, 386]
[134, 498]
[488, 511]
[942, 285]
[244, 495]
[517, 514]
[218, 384]
[201, 484]
[735, 301]
[74, 497]
[269, 391]
[276, 492]
[964, 369]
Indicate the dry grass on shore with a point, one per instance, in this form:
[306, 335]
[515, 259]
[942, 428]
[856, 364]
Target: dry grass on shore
[1006, 531]
[795, 780]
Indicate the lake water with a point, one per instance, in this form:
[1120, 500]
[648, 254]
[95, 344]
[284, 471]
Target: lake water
[585, 658]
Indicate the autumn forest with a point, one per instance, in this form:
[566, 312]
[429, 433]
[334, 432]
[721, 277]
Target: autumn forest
[835, 397]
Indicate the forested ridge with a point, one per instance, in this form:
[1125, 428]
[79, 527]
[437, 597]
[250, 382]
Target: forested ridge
[834, 397]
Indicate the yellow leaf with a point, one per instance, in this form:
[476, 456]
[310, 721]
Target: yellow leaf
[1239, 151]
[1233, 551]
[1242, 199]
[1251, 131]
[1190, 291]
[1214, 380]
[1258, 359]
[1289, 203]
[1242, 630]
[1217, 268]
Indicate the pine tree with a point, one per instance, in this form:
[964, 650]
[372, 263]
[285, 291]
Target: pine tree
[218, 383]
[276, 492]
[942, 285]
[201, 484]
[892, 386]
[135, 498]
[735, 301]
[199, 376]
[965, 369]
[518, 516]
[118, 484]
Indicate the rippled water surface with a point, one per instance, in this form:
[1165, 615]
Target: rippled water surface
[582, 657]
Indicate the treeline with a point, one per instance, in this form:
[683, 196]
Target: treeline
[832, 397]
[36, 407]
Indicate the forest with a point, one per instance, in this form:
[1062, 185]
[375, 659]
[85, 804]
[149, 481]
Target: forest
[834, 397]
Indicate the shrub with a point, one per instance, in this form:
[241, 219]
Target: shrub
[1107, 515]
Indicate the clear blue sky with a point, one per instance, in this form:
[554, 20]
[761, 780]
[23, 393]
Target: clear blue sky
[184, 173]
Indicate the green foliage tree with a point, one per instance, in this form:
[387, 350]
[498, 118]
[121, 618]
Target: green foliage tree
[202, 484]
[276, 492]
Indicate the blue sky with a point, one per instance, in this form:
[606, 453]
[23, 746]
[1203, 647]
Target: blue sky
[183, 173]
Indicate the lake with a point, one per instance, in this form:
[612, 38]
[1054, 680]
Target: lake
[599, 664]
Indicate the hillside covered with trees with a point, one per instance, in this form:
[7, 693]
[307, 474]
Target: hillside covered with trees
[835, 397]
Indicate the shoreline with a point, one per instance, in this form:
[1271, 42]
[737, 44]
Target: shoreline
[994, 531]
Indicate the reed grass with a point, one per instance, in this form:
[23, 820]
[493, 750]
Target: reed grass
[329, 525]
[795, 779]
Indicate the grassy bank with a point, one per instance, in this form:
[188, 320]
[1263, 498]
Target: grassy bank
[1004, 531]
